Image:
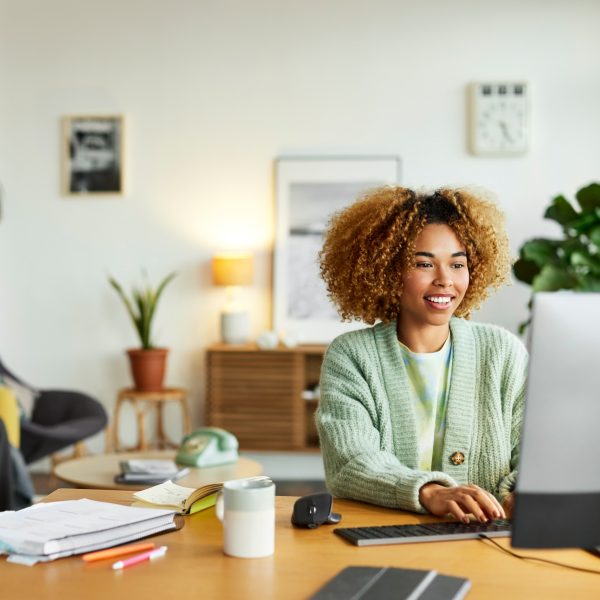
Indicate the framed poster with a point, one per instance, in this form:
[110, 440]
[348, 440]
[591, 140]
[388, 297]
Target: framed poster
[309, 190]
[92, 155]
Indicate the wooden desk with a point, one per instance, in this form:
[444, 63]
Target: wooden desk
[195, 566]
[98, 471]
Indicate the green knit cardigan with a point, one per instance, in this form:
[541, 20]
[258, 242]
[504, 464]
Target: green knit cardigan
[366, 421]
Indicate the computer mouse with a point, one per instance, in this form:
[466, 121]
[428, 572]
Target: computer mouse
[314, 510]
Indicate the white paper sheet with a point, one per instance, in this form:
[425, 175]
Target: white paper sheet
[167, 494]
[58, 527]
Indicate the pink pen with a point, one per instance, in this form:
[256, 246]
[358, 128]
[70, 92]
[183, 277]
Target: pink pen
[138, 558]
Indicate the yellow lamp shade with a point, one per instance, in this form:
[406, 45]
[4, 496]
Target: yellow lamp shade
[232, 269]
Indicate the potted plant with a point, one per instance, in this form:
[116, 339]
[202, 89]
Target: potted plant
[148, 362]
[570, 263]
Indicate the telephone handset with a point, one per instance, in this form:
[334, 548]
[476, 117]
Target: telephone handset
[208, 447]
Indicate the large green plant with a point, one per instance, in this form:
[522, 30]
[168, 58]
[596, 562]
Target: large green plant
[142, 306]
[571, 263]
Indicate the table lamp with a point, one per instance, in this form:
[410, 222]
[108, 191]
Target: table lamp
[233, 271]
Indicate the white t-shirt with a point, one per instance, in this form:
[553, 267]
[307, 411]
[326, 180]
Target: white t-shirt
[429, 377]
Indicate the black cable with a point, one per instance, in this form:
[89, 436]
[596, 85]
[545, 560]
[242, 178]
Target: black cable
[484, 537]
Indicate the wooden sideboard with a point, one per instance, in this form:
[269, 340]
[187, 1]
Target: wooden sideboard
[264, 396]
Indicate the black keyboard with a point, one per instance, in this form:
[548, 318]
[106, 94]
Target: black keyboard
[423, 532]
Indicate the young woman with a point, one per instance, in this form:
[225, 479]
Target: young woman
[421, 412]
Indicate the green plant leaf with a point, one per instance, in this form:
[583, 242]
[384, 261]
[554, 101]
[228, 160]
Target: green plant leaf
[142, 306]
[570, 263]
[552, 278]
[560, 211]
[584, 223]
[159, 290]
[589, 197]
[148, 311]
[584, 259]
[128, 305]
[141, 322]
[523, 326]
[540, 250]
[526, 270]
[594, 236]
[589, 284]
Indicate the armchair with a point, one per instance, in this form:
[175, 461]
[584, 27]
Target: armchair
[60, 418]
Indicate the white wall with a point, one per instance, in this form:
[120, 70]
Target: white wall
[212, 91]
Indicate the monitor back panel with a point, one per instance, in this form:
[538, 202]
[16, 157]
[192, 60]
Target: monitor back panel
[559, 470]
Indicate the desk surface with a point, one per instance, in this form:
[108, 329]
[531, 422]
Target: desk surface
[195, 566]
[98, 471]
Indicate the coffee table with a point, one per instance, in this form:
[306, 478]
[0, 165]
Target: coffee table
[98, 471]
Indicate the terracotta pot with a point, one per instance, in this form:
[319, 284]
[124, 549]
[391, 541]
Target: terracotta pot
[148, 368]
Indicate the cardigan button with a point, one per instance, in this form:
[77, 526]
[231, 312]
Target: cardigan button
[458, 458]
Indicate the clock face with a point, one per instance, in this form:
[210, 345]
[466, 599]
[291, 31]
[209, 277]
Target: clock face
[499, 118]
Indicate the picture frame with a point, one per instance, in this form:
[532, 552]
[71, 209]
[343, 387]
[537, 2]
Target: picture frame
[92, 158]
[308, 191]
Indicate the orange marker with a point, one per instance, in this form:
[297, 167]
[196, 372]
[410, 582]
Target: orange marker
[119, 551]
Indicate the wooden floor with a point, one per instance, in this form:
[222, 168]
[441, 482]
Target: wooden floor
[44, 483]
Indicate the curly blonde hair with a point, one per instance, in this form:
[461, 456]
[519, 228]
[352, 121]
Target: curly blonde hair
[369, 245]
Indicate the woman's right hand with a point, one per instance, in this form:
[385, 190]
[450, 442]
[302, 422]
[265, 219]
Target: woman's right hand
[460, 501]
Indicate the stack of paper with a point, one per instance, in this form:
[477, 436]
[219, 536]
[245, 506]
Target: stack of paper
[143, 470]
[44, 532]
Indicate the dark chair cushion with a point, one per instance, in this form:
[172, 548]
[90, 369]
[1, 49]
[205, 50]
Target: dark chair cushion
[60, 418]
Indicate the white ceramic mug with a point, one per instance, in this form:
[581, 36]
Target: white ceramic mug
[247, 509]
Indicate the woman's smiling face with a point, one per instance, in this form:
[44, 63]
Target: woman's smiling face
[434, 288]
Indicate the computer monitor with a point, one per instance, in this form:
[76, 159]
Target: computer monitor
[557, 502]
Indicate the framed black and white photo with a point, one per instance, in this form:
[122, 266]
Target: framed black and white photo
[308, 192]
[93, 154]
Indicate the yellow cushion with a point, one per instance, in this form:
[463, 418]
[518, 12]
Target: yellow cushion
[9, 413]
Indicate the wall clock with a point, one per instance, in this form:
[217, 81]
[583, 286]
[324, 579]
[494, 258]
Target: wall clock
[499, 118]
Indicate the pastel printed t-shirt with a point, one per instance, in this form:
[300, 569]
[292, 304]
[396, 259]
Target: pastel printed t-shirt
[429, 376]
